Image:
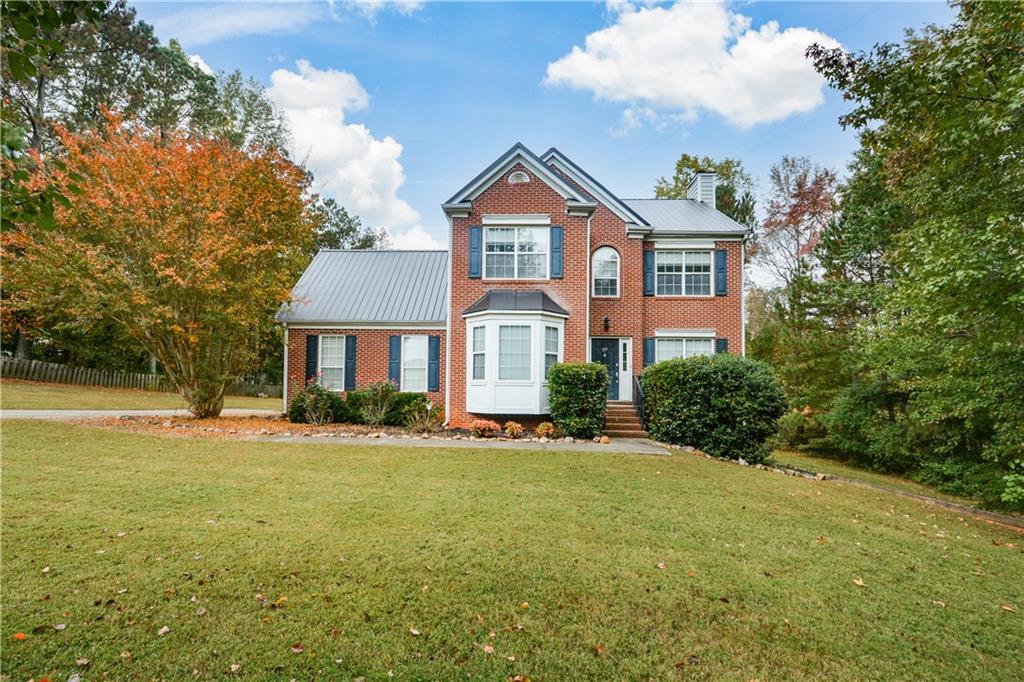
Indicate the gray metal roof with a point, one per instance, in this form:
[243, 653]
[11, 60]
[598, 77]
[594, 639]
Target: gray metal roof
[514, 299]
[371, 287]
[684, 215]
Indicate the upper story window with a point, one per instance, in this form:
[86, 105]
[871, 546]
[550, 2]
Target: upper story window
[516, 252]
[606, 272]
[683, 273]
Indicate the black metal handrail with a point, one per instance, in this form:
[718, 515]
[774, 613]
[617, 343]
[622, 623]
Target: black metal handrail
[638, 401]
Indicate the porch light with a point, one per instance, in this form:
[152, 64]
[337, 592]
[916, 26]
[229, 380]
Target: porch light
[607, 324]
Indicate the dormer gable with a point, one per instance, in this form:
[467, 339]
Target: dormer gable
[460, 204]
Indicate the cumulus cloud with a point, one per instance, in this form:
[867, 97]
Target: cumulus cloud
[370, 8]
[200, 63]
[359, 170]
[416, 237]
[694, 57]
[208, 24]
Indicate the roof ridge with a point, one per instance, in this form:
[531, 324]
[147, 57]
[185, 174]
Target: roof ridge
[384, 250]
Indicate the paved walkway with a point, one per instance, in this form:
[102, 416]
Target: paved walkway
[71, 415]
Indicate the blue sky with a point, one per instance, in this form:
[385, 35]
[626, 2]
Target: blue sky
[396, 106]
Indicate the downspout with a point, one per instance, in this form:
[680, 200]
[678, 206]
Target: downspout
[586, 281]
[284, 377]
[743, 297]
[448, 336]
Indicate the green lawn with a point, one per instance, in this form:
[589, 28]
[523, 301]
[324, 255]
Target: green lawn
[242, 549]
[30, 395]
[835, 467]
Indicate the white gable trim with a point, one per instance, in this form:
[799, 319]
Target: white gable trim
[614, 204]
[518, 154]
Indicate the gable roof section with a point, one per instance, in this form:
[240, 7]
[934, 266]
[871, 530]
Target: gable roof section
[685, 217]
[374, 288]
[519, 153]
[563, 163]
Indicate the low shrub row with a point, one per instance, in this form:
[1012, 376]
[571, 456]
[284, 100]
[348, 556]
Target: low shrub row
[379, 404]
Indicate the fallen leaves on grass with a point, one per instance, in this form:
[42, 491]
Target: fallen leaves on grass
[525, 605]
[20, 636]
[858, 582]
[235, 667]
[821, 540]
[938, 603]
[600, 650]
[488, 649]
[163, 631]
[297, 648]
[661, 565]
[1008, 607]
[414, 632]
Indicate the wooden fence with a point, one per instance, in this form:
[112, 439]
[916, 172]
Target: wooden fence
[51, 372]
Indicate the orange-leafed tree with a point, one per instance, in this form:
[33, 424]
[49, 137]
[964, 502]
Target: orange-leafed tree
[188, 245]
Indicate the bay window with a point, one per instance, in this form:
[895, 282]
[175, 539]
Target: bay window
[516, 252]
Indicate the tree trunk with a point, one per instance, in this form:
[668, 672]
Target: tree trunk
[23, 347]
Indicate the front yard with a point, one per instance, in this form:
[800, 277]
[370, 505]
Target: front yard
[165, 557]
[32, 395]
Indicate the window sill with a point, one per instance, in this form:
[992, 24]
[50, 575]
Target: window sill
[685, 296]
[606, 298]
[515, 279]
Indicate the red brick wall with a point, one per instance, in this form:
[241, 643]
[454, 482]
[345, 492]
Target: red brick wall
[724, 314]
[371, 356]
[532, 197]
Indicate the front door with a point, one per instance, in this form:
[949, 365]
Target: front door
[606, 351]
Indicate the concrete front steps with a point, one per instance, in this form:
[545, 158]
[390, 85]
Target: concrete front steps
[623, 422]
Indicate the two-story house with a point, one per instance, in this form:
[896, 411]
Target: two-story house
[545, 265]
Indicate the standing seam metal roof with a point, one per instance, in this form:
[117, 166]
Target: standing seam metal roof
[371, 287]
[683, 215]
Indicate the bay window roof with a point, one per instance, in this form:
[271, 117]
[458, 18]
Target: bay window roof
[515, 300]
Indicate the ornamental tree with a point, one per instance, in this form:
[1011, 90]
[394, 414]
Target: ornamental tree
[188, 246]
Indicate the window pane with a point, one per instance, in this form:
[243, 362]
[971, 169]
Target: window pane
[533, 240]
[479, 358]
[668, 349]
[478, 365]
[513, 352]
[500, 246]
[500, 240]
[670, 285]
[332, 351]
[696, 347]
[500, 265]
[669, 271]
[478, 339]
[551, 340]
[549, 360]
[533, 266]
[332, 378]
[698, 273]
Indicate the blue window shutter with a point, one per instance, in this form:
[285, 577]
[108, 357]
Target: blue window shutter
[350, 362]
[721, 345]
[395, 360]
[312, 355]
[557, 252]
[721, 276]
[476, 239]
[649, 273]
[648, 352]
[434, 363]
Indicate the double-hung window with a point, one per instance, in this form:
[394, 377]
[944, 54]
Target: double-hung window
[514, 356]
[683, 273]
[332, 362]
[516, 252]
[550, 348]
[668, 349]
[414, 363]
[606, 272]
[479, 353]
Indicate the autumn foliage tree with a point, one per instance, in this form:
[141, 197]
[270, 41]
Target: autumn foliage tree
[187, 245]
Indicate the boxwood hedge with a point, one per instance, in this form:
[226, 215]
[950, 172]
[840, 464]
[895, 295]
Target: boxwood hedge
[578, 397]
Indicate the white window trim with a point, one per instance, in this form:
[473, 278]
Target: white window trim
[320, 360]
[515, 254]
[531, 353]
[426, 367]
[711, 273]
[520, 220]
[545, 353]
[473, 353]
[618, 274]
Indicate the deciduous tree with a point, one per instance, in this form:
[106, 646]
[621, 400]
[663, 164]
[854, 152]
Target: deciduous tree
[189, 246]
[734, 194]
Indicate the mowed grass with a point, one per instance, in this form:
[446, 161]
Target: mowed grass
[31, 395]
[505, 562]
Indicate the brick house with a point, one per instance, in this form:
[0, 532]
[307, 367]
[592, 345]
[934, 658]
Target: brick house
[545, 265]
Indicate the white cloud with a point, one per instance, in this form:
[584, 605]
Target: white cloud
[370, 8]
[416, 237]
[200, 63]
[694, 57]
[208, 24]
[359, 170]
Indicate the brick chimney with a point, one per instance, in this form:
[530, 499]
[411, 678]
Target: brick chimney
[702, 187]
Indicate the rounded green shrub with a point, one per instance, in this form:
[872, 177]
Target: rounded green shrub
[578, 397]
[726, 405]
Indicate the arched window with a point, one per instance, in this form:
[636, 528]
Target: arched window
[606, 272]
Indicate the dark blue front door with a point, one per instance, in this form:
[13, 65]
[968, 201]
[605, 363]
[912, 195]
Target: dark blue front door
[606, 351]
